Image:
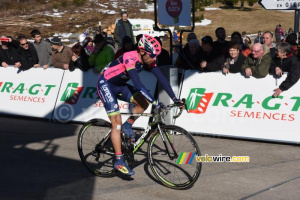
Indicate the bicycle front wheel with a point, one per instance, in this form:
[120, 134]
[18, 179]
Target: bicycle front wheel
[95, 148]
[172, 157]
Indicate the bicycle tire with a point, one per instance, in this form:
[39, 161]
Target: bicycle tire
[166, 170]
[96, 161]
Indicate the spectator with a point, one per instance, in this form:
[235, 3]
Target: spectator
[28, 55]
[123, 28]
[84, 42]
[291, 38]
[176, 37]
[212, 60]
[127, 46]
[294, 48]
[102, 54]
[61, 54]
[285, 62]
[259, 38]
[190, 36]
[258, 63]
[268, 41]
[281, 32]
[79, 59]
[110, 41]
[97, 31]
[9, 54]
[246, 39]
[43, 49]
[164, 57]
[277, 34]
[90, 44]
[221, 45]
[190, 58]
[236, 37]
[235, 60]
[290, 31]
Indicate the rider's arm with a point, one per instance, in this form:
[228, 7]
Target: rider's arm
[164, 82]
[138, 85]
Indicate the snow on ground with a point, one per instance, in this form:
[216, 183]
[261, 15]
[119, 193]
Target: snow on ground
[212, 8]
[204, 22]
[114, 4]
[150, 8]
[63, 35]
[102, 5]
[110, 12]
[55, 14]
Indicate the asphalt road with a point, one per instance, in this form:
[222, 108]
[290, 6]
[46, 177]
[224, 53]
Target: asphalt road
[39, 160]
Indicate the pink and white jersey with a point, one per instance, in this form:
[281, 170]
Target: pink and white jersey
[117, 71]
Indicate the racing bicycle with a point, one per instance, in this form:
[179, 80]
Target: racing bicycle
[167, 152]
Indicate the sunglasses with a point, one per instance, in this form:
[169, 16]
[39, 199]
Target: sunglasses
[152, 55]
[24, 44]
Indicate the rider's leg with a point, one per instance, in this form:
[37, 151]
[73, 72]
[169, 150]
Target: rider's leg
[119, 164]
[116, 132]
[107, 93]
[141, 105]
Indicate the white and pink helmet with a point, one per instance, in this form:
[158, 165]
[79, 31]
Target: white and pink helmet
[150, 45]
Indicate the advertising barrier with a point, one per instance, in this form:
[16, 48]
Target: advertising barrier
[78, 99]
[230, 105]
[29, 93]
[236, 106]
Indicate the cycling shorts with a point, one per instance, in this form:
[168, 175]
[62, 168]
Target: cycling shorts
[110, 93]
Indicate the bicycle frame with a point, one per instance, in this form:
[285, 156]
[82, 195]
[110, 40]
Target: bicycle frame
[141, 140]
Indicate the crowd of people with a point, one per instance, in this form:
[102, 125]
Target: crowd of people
[267, 54]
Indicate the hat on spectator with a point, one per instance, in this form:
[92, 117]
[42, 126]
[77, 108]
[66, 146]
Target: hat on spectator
[55, 41]
[98, 38]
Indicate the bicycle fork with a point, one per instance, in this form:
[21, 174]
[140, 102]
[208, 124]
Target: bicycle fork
[163, 134]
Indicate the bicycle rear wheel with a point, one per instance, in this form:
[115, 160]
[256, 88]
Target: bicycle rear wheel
[95, 147]
[176, 167]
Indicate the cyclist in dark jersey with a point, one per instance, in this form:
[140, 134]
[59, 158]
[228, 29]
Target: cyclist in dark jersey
[112, 85]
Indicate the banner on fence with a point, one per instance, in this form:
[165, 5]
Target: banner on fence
[242, 107]
[29, 93]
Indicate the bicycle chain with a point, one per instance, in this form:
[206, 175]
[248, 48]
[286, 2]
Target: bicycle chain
[127, 149]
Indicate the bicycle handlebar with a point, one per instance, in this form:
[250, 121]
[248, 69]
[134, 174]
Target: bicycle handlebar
[181, 105]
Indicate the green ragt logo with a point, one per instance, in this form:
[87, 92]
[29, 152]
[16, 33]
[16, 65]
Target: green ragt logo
[198, 100]
[71, 93]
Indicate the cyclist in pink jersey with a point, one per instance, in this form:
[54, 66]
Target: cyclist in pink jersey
[112, 85]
